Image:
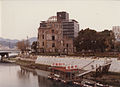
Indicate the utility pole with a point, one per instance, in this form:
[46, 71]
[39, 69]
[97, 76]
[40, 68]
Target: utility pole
[27, 45]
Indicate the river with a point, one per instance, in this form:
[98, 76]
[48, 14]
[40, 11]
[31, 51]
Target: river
[12, 75]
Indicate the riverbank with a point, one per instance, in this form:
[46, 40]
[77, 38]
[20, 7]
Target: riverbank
[31, 64]
[43, 62]
[96, 54]
[111, 78]
[85, 54]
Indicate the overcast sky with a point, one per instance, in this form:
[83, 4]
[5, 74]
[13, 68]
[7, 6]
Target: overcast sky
[0, 17]
[21, 18]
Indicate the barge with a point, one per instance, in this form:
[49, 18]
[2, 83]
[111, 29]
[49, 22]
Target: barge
[73, 75]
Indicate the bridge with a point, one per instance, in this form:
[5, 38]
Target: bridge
[5, 53]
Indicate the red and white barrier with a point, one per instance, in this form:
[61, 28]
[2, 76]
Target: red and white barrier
[70, 67]
[58, 64]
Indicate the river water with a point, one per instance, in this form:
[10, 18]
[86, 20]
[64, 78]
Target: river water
[12, 75]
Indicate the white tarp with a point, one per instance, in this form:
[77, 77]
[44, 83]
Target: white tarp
[88, 63]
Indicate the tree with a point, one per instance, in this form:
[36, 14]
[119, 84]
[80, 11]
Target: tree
[34, 46]
[92, 40]
[108, 38]
[23, 45]
[86, 40]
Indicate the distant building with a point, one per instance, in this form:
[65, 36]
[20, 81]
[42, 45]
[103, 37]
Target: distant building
[57, 34]
[4, 47]
[116, 30]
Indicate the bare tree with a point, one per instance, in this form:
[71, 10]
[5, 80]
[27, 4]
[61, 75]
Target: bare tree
[23, 45]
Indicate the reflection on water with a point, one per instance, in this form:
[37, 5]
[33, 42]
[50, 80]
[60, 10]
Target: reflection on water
[44, 82]
[12, 75]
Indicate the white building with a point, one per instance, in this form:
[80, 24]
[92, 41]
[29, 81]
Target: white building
[116, 30]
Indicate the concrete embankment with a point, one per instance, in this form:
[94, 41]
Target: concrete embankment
[115, 65]
[43, 62]
[30, 63]
[80, 62]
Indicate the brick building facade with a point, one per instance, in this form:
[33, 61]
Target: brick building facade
[53, 36]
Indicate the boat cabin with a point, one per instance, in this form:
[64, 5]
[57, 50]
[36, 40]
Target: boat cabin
[63, 74]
